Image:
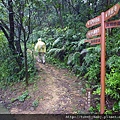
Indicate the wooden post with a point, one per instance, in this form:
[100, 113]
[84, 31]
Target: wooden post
[101, 31]
[102, 100]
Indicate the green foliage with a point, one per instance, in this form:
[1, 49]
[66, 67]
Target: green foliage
[93, 73]
[92, 61]
[108, 111]
[7, 68]
[66, 47]
[35, 103]
[56, 52]
[56, 62]
[74, 59]
[116, 106]
[113, 85]
[22, 97]
[56, 42]
[114, 63]
[112, 72]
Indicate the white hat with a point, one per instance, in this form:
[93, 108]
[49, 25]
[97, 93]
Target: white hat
[39, 39]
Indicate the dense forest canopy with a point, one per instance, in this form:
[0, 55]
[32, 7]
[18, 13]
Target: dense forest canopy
[61, 25]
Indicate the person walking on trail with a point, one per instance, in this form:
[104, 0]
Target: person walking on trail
[40, 47]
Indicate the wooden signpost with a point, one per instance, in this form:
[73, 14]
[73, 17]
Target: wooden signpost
[94, 41]
[101, 40]
[93, 22]
[93, 32]
[112, 11]
[112, 24]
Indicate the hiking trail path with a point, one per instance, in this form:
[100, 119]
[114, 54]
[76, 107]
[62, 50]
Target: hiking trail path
[57, 91]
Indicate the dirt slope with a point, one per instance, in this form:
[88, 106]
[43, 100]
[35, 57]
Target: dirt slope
[57, 91]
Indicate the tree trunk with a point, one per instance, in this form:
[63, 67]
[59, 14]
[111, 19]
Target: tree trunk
[95, 7]
[60, 16]
[88, 9]
[11, 21]
[25, 56]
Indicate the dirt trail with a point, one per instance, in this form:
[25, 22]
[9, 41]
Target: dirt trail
[60, 92]
[57, 91]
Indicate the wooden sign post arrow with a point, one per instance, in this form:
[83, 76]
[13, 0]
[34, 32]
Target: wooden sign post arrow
[94, 41]
[93, 32]
[112, 24]
[93, 22]
[112, 11]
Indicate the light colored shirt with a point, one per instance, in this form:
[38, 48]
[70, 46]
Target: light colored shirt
[40, 47]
